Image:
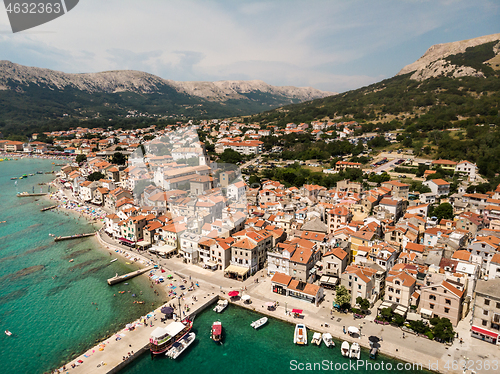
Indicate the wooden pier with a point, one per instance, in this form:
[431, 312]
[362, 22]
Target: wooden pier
[77, 236]
[121, 278]
[25, 194]
[48, 208]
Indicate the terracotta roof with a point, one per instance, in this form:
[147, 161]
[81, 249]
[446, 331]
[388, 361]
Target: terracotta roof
[281, 278]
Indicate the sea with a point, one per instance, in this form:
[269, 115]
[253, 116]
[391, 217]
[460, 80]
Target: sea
[55, 309]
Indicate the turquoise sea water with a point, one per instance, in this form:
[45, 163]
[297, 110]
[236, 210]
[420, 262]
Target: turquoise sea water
[245, 350]
[45, 300]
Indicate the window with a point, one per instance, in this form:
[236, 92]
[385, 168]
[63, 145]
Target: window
[431, 306]
[434, 288]
[447, 310]
[484, 322]
[397, 299]
[390, 298]
[432, 297]
[498, 304]
[398, 292]
[486, 302]
[485, 312]
[448, 301]
[350, 283]
[359, 286]
[355, 279]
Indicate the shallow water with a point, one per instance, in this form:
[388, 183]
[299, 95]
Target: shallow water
[45, 300]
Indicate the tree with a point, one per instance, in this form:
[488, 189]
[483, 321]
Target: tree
[81, 158]
[387, 314]
[342, 296]
[230, 156]
[95, 176]
[118, 158]
[442, 329]
[444, 210]
[364, 304]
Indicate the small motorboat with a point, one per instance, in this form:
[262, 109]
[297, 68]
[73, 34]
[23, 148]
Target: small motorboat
[300, 335]
[113, 260]
[327, 339]
[216, 333]
[181, 346]
[7, 332]
[355, 351]
[71, 260]
[221, 305]
[259, 323]
[344, 348]
[316, 338]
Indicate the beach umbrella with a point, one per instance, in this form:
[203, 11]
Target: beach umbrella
[233, 293]
[353, 330]
[374, 339]
[169, 276]
[269, 303]
[167, 310]
[129, 326]
[298, 311]
[245, 297]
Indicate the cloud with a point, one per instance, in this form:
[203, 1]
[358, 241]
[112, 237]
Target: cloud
[333, 45]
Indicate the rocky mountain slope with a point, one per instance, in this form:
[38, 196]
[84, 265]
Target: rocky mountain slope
[14, 77]
[434, 62]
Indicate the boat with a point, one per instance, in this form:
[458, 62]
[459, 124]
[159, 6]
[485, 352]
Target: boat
[316, 339]
[181, 346]
[113, 260]
[221, 305]
[39, 172]
[163, 338]
[259, 323]
[216, 332]
[300, 335]
[327, 339]
[355, 351]
[7, 332]
[13, 178]
[71, 260]
[373, 353]
[344, 348]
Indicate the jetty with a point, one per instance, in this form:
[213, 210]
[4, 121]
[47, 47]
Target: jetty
[25, 194]
[120, 278]
[77, 236]
[48, 208]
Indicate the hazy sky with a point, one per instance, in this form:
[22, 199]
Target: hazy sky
[334, 45]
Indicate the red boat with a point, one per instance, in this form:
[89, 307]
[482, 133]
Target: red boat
[217, 332]
[162, 338]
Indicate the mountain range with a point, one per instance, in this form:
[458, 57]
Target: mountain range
[24, 90]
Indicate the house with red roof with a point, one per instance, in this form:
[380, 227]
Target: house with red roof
[443, 299]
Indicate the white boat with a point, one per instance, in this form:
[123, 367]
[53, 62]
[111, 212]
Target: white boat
[181, 346]
[327, 339]
[221, 305]
[316, 338]
[7, 332]
[344, 348]
[113, 260]
[259, 323]
[300, 335]
[355, 351]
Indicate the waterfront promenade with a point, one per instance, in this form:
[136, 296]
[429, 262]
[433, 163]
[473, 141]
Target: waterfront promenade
[411, 349]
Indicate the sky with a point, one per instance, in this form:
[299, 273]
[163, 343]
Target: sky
[332, 45]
